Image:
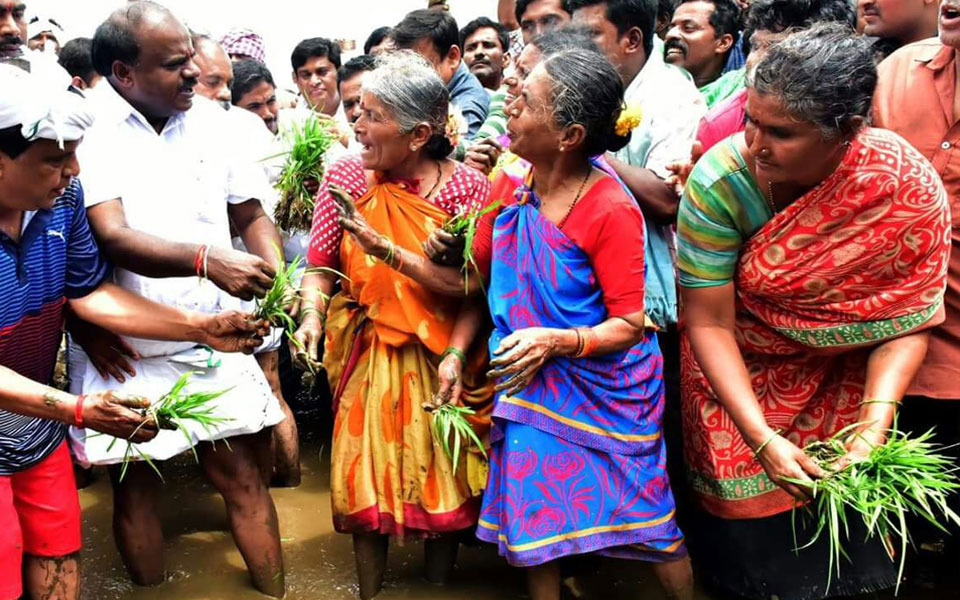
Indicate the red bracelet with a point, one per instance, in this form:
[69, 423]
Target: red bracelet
[198, 260]
[78, 412]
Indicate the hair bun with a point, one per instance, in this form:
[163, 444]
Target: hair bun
[438, 146]
[617, 142]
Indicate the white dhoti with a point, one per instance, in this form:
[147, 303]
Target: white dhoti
[248, 406]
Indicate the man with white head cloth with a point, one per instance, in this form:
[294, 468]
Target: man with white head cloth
[49, 261]
[44, 35]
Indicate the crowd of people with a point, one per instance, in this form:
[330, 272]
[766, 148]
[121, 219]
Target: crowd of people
[704, 234]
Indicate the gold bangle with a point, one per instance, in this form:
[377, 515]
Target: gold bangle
[872, 401]
[761, 447]
[579, 349]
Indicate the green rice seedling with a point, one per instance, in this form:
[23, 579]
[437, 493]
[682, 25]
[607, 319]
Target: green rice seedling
[451, 420]
[308, 145]
[465, 226]
[172, 411]
[274, 307]
[904, 476]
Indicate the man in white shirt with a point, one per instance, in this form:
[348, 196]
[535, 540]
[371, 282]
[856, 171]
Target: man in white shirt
[164, 183]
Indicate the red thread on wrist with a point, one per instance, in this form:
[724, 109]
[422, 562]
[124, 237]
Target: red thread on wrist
[198, 260]
[78, 412]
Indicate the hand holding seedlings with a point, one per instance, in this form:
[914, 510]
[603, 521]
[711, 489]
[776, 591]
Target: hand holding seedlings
[445, 248]
[245, 276]
[450, 372]
[450, 420]
[785, 463]
[119, 416]
[173, 411]
[465, 226]
[233, 331]
[901, 476]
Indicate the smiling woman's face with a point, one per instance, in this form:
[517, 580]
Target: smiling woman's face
[384, 146]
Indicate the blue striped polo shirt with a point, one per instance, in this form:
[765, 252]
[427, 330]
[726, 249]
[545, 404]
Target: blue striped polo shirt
[56, 259]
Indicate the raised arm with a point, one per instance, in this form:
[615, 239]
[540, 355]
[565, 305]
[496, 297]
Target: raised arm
[238, 273]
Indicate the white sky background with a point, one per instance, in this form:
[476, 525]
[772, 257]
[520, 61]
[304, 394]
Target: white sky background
[282, 23]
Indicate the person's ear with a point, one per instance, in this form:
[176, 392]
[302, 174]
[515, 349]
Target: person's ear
[572, 137]
[724, 43]
[420, 135]
[79, 83]
[633, 41]
[122, 74]
[454, 55]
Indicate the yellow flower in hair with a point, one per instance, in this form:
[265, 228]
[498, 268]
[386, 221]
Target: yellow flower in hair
[453, 129]
[630, 118]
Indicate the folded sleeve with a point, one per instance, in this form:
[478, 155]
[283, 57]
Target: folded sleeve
[708, 240]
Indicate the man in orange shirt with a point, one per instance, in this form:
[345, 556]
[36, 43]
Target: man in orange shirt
[917, 97]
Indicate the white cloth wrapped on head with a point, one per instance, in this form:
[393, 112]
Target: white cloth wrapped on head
[41, 106]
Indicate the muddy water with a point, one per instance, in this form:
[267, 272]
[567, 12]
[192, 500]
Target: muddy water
[204, 564]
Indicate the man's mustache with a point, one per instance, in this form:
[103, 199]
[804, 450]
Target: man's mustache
[11, 40]
[675, 44]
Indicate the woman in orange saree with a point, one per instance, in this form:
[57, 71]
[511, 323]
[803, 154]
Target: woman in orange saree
[392, 343]
[812, 257]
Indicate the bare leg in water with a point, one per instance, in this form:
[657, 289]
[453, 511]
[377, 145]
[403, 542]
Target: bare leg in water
[676, 577]
[236, 474]
[543, 581]
[440, 555]
[370, 551]
[51, 577]
[286, 442]
[136, 522]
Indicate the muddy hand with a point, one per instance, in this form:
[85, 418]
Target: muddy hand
[344, 201]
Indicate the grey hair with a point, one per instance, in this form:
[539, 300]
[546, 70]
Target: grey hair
[824, 75]
[588, 91]
[413, 93]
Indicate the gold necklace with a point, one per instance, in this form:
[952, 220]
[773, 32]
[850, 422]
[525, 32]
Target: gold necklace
[769, 198]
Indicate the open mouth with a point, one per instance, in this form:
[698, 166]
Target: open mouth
[949, 13]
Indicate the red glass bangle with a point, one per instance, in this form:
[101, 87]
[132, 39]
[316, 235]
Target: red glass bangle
[78, 412]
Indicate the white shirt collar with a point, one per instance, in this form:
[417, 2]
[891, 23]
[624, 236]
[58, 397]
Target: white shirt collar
[112, 107]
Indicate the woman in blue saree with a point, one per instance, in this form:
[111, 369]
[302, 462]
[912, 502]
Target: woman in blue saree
[578, 463]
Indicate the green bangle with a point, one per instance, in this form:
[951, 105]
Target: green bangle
[456, 352]
[760, 448]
